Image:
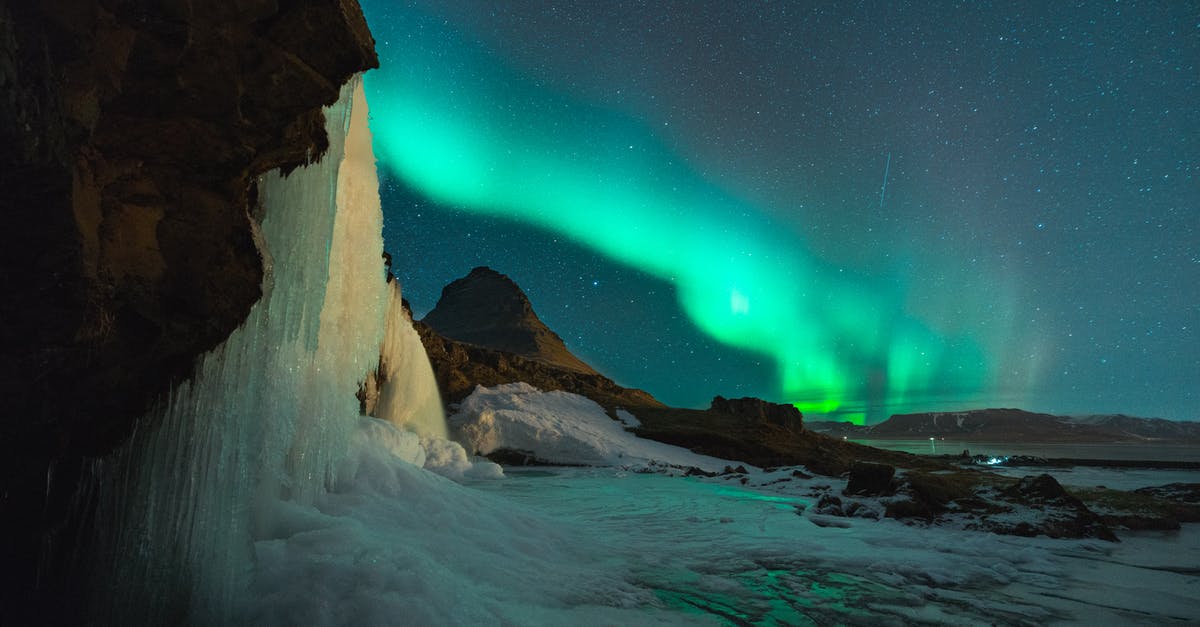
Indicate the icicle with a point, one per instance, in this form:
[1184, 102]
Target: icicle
[268, 414]
[408, 395]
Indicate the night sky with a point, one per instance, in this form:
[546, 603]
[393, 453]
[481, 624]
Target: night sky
[861, 208]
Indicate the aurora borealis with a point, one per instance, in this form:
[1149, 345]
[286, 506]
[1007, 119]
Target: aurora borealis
[859, 211]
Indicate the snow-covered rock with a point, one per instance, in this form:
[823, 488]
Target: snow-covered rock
[560, 428]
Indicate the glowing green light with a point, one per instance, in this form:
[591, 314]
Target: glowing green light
[822, 407]
[467, 131]
[857, 418]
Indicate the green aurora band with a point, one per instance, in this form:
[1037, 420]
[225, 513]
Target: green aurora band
[465, 130]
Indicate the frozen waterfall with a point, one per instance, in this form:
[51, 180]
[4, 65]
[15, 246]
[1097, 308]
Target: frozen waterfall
[269, 414]
[404, 391]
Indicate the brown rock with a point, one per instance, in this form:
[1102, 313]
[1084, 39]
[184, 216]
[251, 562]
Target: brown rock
[459, 367]
[484, 331]
[758, 410]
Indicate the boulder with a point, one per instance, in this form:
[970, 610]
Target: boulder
[870, 479]
[1058, 513]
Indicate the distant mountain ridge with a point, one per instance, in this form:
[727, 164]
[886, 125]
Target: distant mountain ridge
[1153, 428]
[1017, 425]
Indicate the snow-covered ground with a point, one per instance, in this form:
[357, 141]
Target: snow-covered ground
[759, 553]
[616, 545]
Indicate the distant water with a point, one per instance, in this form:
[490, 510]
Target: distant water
[1106, 450]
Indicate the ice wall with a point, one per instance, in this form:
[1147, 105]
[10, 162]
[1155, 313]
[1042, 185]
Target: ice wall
[408, 394]
[268, 414]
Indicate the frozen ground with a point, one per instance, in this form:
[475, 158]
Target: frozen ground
[636, 543]
[746, 553]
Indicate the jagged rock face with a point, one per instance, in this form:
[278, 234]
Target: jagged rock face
[488, 309]
[756, 409]
[132, 133]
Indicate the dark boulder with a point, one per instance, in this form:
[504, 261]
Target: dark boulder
[829, 505]
[1059, 514]
[1042, 489]
[870, 479]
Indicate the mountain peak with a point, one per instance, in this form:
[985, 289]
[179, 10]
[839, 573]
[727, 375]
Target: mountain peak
[488, 309]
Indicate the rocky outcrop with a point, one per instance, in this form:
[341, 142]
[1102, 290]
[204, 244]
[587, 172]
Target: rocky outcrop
[133, 133]
[869, 479]
[1031, 506]
[488, 309]
[484, 331]
[1060, 514]
[758, 410]
[459, 367]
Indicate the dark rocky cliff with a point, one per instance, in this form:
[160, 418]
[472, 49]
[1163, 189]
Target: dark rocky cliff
[132, 133]
[758, 410]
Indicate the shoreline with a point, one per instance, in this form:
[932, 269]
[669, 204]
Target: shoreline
[1068, 462]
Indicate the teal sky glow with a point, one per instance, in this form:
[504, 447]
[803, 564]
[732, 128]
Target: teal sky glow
[857, 322]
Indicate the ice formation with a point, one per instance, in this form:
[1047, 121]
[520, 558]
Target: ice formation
[269, 414]
[408, 393]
